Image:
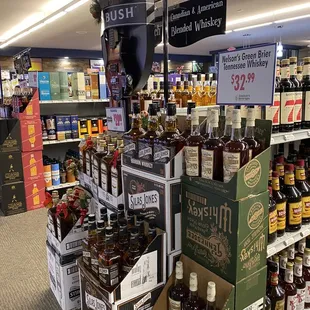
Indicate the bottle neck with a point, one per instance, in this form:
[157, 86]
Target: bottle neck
[306, 260]
[300, 174]
[227, 130]
[213, 131]
[275, 184]
[250, 130]
[236, 132]
[280, 169]
[170, 123]
[178, 281]
[289, 276]
[289, 178]
[298, 270]
[109, 243]
[293, 70]
[274, 279]
[153, 123]
[134, 244]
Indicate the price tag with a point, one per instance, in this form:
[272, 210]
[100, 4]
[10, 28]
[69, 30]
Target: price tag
[246, 76]
[115, 119]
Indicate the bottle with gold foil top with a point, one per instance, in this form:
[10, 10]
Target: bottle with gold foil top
[306, 94]
[275, 292]
[290, 288]
[272, 219]
[306, 275]
[304, 188]
[300, 284]
[294, 204]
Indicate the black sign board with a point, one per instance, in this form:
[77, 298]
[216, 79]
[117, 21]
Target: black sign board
[194, 20]
[26, 61]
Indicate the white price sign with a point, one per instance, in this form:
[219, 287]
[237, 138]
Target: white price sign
[247, 76]
[115, 119]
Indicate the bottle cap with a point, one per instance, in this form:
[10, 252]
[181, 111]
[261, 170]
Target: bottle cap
[285, 62]
[134, 232]
[190, 105]
[289, 167]
[293, 59]
[179, 270]
[100, 224]
[289, 265]
[171, 109]
[152, 109]
[280, 160]
[193, 282]
[299, 68]
[136, 108]
[211, 291]
[300, 163]
[122, 223]
[109, 231]
[307, 251]
[140, 218]
[306, 60]
[298, 260]
[236, 116]
[113, 217]
[103, 211]
[275, 174]
[130, 213]
[92, 218]
[121, 207]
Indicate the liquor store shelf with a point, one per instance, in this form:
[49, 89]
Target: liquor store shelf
[64, 185]
[49, 142]
[286, 240]
[283, 137]
[73, 101]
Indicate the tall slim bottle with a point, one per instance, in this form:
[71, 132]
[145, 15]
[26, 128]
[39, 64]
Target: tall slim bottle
[228, 124]
[193, 302]
[211, 296]
[187, 132]
[306, 275]
[306, 94]
[300, 284]
[290, 288]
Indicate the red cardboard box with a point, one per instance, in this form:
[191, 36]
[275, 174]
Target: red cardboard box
[32, 110]
[32, 166]
[35, 194]
[31, 135]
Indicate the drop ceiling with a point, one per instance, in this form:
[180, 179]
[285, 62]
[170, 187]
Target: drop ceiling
[78, 30]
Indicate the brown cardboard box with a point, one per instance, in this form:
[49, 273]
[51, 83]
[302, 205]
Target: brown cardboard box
[11, 168]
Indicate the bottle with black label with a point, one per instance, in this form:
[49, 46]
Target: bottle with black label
[273, 219]
[116, 175]
[306, 94]
[101, 152]
[300, 283]
[287, 98]
[140, 226]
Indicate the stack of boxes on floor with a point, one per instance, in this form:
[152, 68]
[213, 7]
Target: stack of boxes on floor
[21, 148]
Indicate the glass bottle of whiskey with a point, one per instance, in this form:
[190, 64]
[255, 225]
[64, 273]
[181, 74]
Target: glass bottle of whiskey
[120, 212]
[249, 136]
[293, 204]
[206, 99]
[304, 188]
[196, 97]
[306, 275]
[89, 241]
[282, 266]
[105, 169]
[186, 94]
[280, 169]
[290, 288]
[116, 175]
[123, 237]
[236, 151]
[193, 301]
[299, 73]
[272, 219]
[146, 141]
[88, 154]
[178, 95]
[228, 124]
[213, 89]
[300, 283]
[109, 262]
[97, 248]
[187, 132]
[212, 151]
[275, 292]
[193, 145]
[178, 292]
[114, 225]
[140, 227]
[130, 219]
[131, 137]
[101, 152]
[211, 296]
[306, 94]
[151, 232]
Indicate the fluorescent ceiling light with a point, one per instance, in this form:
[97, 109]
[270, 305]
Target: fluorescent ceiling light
[66, 57]
[54, 5]
[292, 18]
[254, 26]
[51, 19]
[76, 5]
[33, 29]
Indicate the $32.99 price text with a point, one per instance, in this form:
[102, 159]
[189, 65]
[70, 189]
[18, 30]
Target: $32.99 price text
[239, 80]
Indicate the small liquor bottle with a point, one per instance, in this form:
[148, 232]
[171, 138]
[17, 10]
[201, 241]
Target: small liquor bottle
[280, 169]
[280, 200]
[236, 151]
[131, 137]
[109, 262]
[193, 147]
[275, 292]
[89, 241]
[211, 296]
[290, 288]
[206, 99]
[178, 292]
[282, 266]
[228, 124]
[88, 154]
[306, 275]
[293, 205]
[212, 151]
[196, 95]
[104, 216]
[213, 89]
[273, 219]
[116, 175]
[300, 284]
[304, 188]
[249, 137]
[187, 132]
[105, 169]
[193, 301]
[101, 152]
[301, 247]
[291, 253]
[306, 94]
[97, 248]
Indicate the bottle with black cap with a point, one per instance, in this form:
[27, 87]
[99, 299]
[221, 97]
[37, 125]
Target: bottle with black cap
[130, 218]
[104, 216]
[114, 225]
[187, 94]
[89, 241]
[120, 211]
[123, 236]
[197, 94]
[187, 132]
[97, 248]
[152, 232]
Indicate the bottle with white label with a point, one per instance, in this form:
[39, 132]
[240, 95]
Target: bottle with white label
[193, 301]
[306, 275]
[306, 94]
[287, 98]
[301, 247]
[290, 288]
[300, 283]
[212, 151]
[116, 175]
[236, 151]
[192, 149]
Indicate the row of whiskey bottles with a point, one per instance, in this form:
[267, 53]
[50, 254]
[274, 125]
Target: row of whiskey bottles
[289, 203]
[100, 158]
[288, 280]
[180, 296]
[113, 246]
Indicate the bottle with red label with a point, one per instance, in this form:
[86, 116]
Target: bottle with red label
[287, 98]
[300, 284]
[306, 93]
[290, 288]
[306, 275]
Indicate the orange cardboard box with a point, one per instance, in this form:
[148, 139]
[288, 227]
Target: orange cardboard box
[32, 110]
[32, 166]
[35, 194]
[31, 135]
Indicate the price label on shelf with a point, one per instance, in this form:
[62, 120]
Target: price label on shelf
[115, 119]
[246, 76]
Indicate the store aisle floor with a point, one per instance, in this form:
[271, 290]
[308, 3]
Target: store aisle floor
[24, 283]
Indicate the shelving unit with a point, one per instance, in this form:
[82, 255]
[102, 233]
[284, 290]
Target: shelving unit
[73, 101]
[52, 142]
[64, 185]
[284, 137]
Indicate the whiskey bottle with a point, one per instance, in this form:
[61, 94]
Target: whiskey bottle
[279, 161]
[249, 137]
[287, 98]
[304, 188]
[280, 200]
[186, 94]
[282, 266]
[104, 216]
[178, 292]
[178, 95]
[105, 169]
[298, 93]
[114, 225]
[109, 262]
[146, 141]
[299, 73]
[300, 283]
[120, 212]
[116, 174]
[291, 253]
[228, 124]
[290, 288]
[213, 89]
[190, 83]
[160, 127]
[306, 276]
[193, 301]
[306, 94]
[211, 296]
[212, 151]
[122, 244]
[187, 132]
[161, 94]
[301, 247]
[131, 137]
[206, 99]
[151, 232]
[89, 241]
[101, 152]
[140, 227]
[88, 154]
[273, 219]
[130, 219]
[97, 248]
[192, 149]
[236, 151]
[293, 204]
[196, 95]
[275, 292]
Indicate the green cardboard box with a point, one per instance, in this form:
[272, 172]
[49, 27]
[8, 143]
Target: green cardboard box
[64, 88]
[55, 85]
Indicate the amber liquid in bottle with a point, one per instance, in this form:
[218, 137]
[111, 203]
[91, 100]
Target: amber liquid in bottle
[178, 95]
[212, 151]
[187, 132]
[186, 95]
[193, 302]
[290, 288]
[196, 95]
[101, 152]
[89, 241]
[97, 248]
[272, 218]
[306, 276]
[300, 284]
[105, 169]
[228, 125]
[275, 292]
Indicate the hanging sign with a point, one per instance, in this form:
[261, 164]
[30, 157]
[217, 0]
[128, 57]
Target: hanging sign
[247, 76]
[115, 119]
[194, 20]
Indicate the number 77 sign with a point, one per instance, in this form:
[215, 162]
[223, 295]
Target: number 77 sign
[247, 76]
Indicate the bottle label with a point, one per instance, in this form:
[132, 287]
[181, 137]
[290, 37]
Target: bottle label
[231, 165]
[94, 261]
[291, 302]
[289, 179]
[109, 275]
[280, 169]
[293, 69]
[114, 181]
[285, 72]
[301, 294]
[163, 154]
[86, 258]
[207, 160]
[306, 112]
[295, 213]
[192, 160]
[96, 171]
[281, 220]
[305, 207]
[87, 164]
[298, 107]
[126, 269]
[301, 246]
[250, 154]
[297, 270]
[130, 147]
[145, 151]
[279, 305]
[104, 178]
[307, 295]
[287, 108]
[283, 262]
[291, 252]
[306, 70]
[174, 305]
[273, 222]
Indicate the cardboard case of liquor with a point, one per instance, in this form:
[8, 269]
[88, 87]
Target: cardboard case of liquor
[11, 168]
[35, 194]
[10, 137]
[157, 200]
[64, 279]
[32, 166]
[31, 135]
[148, 273]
